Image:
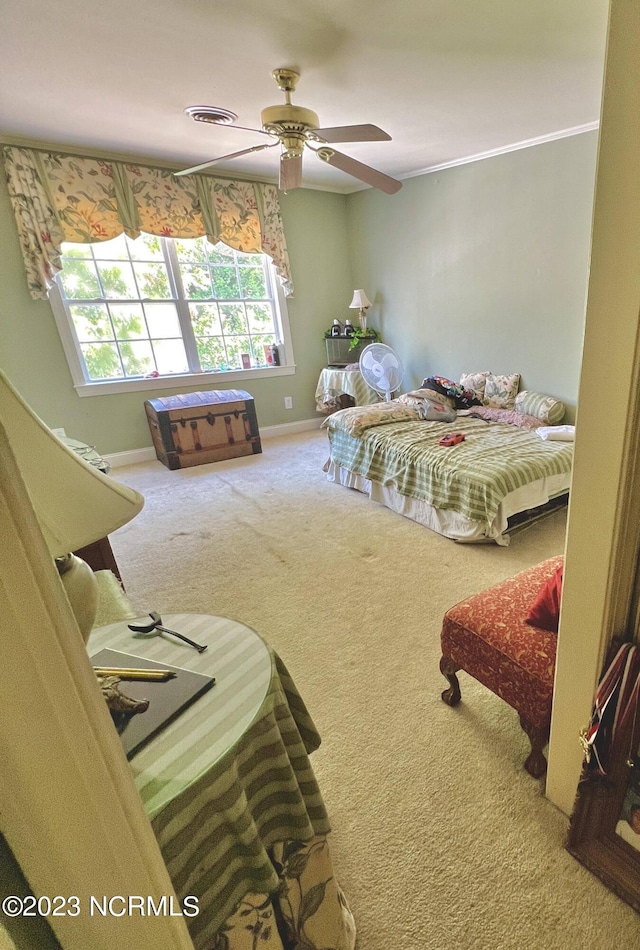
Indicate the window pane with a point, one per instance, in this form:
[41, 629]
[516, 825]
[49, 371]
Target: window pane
[235, 346]
[193, 251]
[128, 320]
[258, 344]
[92, 322]
[80, 280]
[260, 318]
[219, 253]
[153, 281]
[137, 358]
[233, 317]
[197, 282]
[162, 319]
[117, 280]
[205, 318]
[225, 283]
[146, 247]
[103, 361]
[211, 352]
[252, 282]
[114, 250]
[170, 356]
[69, 249]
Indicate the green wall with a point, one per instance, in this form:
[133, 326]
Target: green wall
[479, 267]
[483, 266]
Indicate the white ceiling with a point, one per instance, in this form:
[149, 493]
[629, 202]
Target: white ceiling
[448, 79]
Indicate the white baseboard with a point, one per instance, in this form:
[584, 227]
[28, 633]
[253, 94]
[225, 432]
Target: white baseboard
[148, 454]
[289, 428]
[132, 457]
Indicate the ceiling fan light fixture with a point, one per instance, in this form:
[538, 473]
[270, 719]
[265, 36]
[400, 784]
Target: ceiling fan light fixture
[212, 114]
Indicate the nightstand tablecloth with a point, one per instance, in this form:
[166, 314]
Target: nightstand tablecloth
[348, 381]
[231, 794]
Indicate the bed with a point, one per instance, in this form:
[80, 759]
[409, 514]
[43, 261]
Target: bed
[467, 492]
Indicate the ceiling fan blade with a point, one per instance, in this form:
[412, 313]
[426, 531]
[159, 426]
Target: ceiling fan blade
[364, 172]
[352, 133]
[243, 151]
[290, 173]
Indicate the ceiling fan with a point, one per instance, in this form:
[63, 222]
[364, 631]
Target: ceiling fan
[293, 129]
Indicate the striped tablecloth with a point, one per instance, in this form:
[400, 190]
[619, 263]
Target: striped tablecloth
[344, 381]
[230, 778]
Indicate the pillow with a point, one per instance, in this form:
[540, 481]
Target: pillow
[549, 410]
[476, 382]
[500, 391]
[430, 405]
[545, 610]
[462, 398]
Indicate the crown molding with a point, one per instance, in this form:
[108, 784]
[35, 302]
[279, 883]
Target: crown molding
[504, 149]
[137, 159]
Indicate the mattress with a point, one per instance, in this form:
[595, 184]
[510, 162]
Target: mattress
[466, 492]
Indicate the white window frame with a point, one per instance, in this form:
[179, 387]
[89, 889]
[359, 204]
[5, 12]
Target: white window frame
[209, 379]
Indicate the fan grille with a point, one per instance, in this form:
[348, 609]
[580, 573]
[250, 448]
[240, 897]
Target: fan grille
[381, 369]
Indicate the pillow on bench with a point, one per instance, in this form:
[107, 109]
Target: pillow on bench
[545, 610]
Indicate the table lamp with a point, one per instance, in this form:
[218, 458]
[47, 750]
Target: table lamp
[361, 303]
[74, 502]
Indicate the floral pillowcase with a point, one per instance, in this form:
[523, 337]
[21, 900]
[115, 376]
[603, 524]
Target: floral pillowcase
[500, 391]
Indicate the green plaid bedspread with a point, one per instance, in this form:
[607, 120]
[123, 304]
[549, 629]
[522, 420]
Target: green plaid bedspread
[471, 478]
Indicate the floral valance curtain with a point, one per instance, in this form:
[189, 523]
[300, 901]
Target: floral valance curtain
[58, 197]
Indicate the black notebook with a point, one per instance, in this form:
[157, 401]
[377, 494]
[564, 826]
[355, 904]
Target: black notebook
[167, 698]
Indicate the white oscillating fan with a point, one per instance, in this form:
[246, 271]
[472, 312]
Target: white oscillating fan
[381, 369]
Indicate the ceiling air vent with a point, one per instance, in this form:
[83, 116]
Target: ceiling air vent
[211, 114]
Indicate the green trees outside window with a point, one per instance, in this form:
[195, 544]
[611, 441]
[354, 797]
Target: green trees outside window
[159, 306]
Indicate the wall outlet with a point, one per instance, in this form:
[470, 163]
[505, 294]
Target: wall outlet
[288, 402]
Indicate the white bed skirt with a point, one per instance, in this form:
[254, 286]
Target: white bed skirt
[451, 524]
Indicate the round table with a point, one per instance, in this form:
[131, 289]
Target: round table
[241, 663]
[228, 784]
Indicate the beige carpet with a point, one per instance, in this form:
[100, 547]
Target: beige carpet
[440, 839]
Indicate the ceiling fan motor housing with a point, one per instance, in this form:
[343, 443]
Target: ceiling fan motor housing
[291, 124]
[286, 119]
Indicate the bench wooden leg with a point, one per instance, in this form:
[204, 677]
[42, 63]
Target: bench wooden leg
[449, 669]
[536, 764]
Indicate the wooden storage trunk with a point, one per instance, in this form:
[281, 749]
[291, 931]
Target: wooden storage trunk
[203, 427]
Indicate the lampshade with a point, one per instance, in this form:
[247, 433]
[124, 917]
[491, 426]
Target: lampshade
[74, 502]
[360, 301]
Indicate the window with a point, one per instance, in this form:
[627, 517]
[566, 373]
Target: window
[155, 308]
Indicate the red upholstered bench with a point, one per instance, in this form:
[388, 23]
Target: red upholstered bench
[487, 637]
